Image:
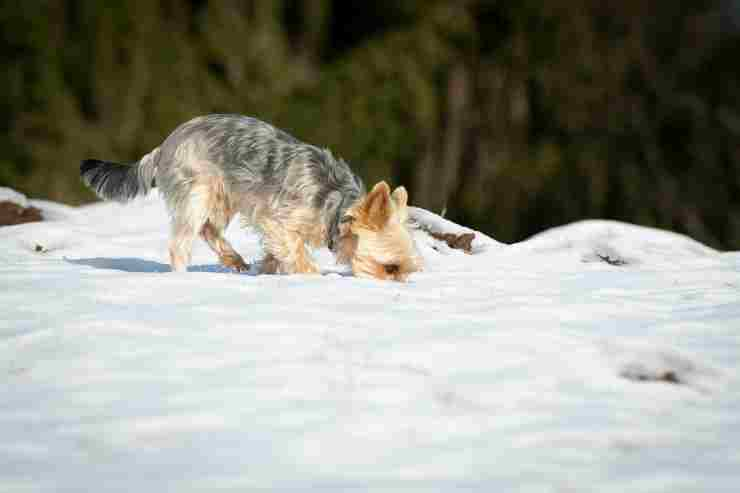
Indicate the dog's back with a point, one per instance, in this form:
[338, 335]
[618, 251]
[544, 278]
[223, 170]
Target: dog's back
[256, 161]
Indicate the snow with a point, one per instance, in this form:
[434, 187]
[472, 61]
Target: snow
[598, 356]
[422, 217]
[10, 195]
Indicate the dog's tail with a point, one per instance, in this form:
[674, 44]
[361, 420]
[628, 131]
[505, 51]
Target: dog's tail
[120, 182]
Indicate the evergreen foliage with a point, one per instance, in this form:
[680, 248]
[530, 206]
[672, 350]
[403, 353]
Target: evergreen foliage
[512, 116]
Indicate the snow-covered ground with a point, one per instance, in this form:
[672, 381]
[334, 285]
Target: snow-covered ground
[597, 357]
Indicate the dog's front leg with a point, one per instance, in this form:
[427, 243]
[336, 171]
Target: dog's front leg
[286, 252]
[303, 263]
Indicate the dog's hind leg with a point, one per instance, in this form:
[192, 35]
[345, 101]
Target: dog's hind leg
[189, 214]
[212, 233]
[181, 246]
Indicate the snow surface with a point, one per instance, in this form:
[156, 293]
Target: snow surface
[598, 356]
[10, 195]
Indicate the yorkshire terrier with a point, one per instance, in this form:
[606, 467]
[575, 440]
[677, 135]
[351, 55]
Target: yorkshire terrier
[296, 194]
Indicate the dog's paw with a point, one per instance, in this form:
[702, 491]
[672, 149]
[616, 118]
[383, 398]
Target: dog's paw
[270, 265]
[235, 263]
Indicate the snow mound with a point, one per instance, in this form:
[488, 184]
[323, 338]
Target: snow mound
[647, 363]
[430, 225]
[10, 195]
[614, 243]
[54, 211]
[513, 368]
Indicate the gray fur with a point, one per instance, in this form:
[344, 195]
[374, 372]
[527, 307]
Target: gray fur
[261, 166]
[120, 182]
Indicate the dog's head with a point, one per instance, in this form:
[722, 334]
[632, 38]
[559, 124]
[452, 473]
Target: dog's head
[374, 238]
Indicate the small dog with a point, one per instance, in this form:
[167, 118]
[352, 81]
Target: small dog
[296, 194]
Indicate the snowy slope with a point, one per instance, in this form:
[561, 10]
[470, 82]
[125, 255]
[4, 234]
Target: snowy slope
[598, 356]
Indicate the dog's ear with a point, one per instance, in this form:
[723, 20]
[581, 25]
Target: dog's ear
[401, 197]
[377, 208]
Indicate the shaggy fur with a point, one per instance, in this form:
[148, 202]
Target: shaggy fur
[296, 194]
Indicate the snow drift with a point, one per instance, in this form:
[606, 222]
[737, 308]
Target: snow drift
[594, 357]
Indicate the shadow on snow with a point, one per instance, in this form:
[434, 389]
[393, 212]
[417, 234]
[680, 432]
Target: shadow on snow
[129, 264]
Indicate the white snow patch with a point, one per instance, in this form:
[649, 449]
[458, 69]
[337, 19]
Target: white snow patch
[615, 243]
[53, 211]
[10, 195]
[423, 219]
[537, 366]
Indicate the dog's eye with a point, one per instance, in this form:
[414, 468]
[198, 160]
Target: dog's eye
[391, 269]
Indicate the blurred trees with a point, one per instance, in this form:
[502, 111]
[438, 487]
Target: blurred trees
[511, 116]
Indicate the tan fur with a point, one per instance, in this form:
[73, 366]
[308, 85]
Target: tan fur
[401, 197]
[346, 243]
[213, 235]
[373, 238]
[287, 247]
[270, 265]
[375, 241]
[285, 240]
[208, 212]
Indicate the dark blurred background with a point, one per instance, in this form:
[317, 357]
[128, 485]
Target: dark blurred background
[509, 116]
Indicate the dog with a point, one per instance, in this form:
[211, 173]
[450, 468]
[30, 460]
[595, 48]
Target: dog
[295, 194]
